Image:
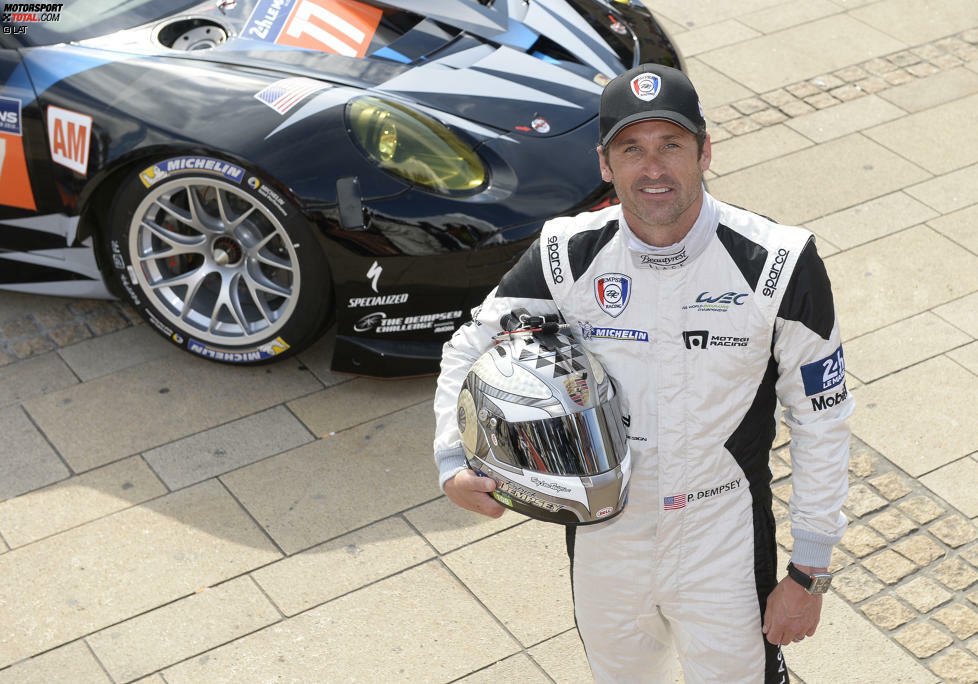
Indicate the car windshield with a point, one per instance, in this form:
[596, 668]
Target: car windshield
[73, 20]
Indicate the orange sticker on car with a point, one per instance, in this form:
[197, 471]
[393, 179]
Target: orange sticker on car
[343, 27]
[15, 184]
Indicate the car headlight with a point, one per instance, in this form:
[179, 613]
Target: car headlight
[413, 146]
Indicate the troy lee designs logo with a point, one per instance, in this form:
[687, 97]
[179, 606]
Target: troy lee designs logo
[612, 291]
[553, 258]
[774, 274]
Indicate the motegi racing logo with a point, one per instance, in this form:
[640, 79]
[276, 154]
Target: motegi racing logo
[31, 11]
[701, 339]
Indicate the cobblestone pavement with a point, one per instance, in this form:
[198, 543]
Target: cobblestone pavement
[195, 523]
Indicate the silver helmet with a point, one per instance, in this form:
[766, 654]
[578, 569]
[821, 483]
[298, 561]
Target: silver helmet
[539, 415]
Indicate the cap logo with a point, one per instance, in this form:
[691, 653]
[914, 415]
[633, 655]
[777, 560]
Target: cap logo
[646, 86]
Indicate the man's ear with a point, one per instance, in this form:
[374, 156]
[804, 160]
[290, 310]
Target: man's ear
[606, 175]
[707, 156]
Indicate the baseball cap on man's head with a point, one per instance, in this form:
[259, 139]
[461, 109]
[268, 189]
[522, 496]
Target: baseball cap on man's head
[649, 91]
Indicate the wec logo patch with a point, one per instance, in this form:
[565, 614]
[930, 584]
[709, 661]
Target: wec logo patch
[612, 290]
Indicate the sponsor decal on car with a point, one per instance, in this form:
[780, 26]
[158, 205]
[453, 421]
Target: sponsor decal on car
[383, 300]
[707, 301]
[589, 332]
[157, 172]
[285, 94]
[267, 192]
[824, 374]
[69, 135]
[343, 27]
[264, 351]
[10, 115]
[701, 339]
[373, 273]
[378, 322]
[612, 292]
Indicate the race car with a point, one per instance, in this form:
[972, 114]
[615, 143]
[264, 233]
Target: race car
[246, 173]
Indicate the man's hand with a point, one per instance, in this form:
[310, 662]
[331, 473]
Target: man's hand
[471, 492]
[792, 613]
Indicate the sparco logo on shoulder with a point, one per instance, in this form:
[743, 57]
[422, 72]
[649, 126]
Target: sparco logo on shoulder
[774, 274]
[553, 257]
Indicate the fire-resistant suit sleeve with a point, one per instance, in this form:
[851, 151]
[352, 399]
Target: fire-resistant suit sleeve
[524, 287]
[812, 388]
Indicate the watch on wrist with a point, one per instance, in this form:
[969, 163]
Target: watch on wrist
[816, 583]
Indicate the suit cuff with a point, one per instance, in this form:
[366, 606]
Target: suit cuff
[449, 462]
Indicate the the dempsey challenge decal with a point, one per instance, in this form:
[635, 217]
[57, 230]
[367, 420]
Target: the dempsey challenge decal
[612, 291]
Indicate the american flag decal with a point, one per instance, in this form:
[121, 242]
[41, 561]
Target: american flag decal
[285, 94]
[671, 503]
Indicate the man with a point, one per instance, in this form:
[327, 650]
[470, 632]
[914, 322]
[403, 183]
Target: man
[707, 316]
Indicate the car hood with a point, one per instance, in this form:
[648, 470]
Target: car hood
[535, 67]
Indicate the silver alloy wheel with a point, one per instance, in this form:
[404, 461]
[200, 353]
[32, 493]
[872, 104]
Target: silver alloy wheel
[214, 261]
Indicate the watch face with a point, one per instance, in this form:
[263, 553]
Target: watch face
[820, 583]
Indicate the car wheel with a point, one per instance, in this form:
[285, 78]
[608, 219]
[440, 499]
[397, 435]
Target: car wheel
[218, 261]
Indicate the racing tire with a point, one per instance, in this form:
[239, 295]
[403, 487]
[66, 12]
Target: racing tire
[218, 261]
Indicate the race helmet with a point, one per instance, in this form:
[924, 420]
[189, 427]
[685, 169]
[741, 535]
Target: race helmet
[539, 415]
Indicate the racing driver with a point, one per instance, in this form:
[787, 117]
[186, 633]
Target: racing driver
[709, 316]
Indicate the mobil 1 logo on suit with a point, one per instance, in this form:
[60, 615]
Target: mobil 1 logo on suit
[823, 375]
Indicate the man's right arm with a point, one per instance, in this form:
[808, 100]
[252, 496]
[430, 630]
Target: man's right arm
[524, 286]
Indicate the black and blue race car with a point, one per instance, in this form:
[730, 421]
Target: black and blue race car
[246, 173]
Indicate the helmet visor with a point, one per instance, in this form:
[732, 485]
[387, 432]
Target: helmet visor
[585, 443]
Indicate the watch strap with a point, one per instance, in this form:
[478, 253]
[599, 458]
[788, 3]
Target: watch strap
[802, 578]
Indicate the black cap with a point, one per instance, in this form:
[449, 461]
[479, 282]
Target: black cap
[649, 91]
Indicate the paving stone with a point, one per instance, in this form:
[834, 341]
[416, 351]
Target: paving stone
[892, 485]
[971, 36]
[779, 98]
[563, 658]
[956, 667]
[959, 226]
[954, 531]
[802, 90]
[182, 629]
[821, 101]
[714, 87]
[19, 327]
[898, 77]
[722, 114]
[107, 322]
[950, 44]
[922, 509]
[850, 74]
[924, 594]
[69, 334]
[904, 59]
[973, 597]
[928, 51]
[861, 460]
[892, 524]
[873, 84]
[887, 612]
[314, 493]
[945, 62]
[516, 668]
[855, 584]
[962, 313]
[219, 450]
[879, 66]
[754, 148]
[923, 639]
[749, 106]
[344, 564]
[967, 54]
[53, 317]
[40, 375]
[536, 553]
[782, 492]
[863, 500]
[32, 347]
[779, 469]
[116, 351]
[4, 359]
[923, 70]
[782, 534]
[844, 120]
[861, 541]
[826, 82]
[27, 461]
[955, 574]
[919, 548]
[768, 117]
[78, 500]
[839, 560]
[847, 92]
[741, 126]
[797, 108]
[961, 620]
[712, 37]
[970, 554]
[447, 527]
[717, 134]
[55, 666]
[889, 566]
[955, 484]
[125, 564]
[419, 625]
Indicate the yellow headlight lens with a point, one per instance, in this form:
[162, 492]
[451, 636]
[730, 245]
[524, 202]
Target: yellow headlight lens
[414, 147]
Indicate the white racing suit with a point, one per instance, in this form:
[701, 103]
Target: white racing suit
[703, 339]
